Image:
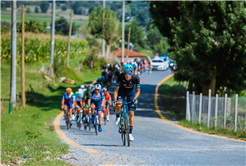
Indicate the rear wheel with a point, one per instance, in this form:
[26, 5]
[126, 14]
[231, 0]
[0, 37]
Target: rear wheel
[67, 121]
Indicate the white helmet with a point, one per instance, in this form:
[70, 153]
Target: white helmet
[108, 65]
[104, 89]
[98, 86]
[82, 86]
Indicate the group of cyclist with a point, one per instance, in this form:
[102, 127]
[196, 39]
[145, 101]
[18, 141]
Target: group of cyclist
[97, 98]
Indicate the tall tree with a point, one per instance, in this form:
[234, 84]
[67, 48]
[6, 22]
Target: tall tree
[137, 35]
[104, 24]
[209, 42]
[44, 6]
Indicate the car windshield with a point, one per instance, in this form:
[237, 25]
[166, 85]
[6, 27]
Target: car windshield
[157, 60]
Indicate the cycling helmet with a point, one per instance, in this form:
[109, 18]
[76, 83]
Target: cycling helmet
[128, 67]
[108, 65]
[89, 88]
[104, 89]
[106, 93]
[82, 86]
[98, 86]
[98, 79]
[69, 90]
[117, 63]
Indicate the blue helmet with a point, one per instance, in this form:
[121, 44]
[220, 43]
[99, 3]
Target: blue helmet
[128, 67]
[99, 79]
[117, 63]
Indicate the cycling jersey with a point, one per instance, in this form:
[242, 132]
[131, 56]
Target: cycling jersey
[68, 100]
[108, 98]
[127, 85]
[96, 99]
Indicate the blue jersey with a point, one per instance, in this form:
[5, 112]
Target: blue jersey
[68, 98]
[97, 98]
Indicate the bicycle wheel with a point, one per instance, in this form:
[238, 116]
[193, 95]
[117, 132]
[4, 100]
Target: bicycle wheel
[67, 121]
[89, 122]
[127, 129]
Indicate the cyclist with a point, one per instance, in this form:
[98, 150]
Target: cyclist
[78, 101]
[85, 102]
[149, 63]
[96, 100]
[108, 102]
[68, 101]
[126, 84]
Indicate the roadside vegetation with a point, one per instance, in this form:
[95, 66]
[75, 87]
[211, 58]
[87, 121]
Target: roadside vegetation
[173, 92]
[174, 103]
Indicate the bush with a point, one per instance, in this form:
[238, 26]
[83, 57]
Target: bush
[93, 61]
[28, 10]
[36, 10]
[64, 7]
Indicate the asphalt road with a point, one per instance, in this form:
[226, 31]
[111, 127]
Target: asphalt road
[156, 142]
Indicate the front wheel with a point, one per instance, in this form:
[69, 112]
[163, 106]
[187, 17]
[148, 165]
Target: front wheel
[127, 129]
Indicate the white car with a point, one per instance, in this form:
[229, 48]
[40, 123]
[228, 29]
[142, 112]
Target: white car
[159, 64]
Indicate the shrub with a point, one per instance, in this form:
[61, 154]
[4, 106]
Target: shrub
[28, 10]
[64, 7]
[36, 10]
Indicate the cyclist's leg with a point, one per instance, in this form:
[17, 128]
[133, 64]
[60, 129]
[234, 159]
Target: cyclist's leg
[131, 109]
[65, 109]
[93, 110]
[99, 110]
[120, 99]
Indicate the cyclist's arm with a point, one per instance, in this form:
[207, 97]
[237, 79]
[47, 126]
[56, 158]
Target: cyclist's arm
[63, 102]
[137, 93]
[116, 92]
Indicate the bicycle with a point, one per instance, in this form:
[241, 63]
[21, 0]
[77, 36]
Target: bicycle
[80, 118]
[67, 120]
[104, 115]
[87, 121]
[124, 128]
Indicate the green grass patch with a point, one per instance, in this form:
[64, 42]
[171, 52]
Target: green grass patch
[230, 133]
[29, 131]
[173, 98]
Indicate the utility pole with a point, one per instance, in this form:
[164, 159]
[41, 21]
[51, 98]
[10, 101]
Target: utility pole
[23, 95]
[52, 41]
[128, 42]
[103, 41]
[123, 30]
[13, 57]
[70, 29]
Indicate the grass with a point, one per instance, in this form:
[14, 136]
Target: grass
[29, 131]
[173, 93]
[230, 133]
[174, 102]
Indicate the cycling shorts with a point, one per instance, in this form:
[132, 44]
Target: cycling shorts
[69, 105]
[117, 73]
[78, 104]
[130, 96]
[107, 105]
[97, 105]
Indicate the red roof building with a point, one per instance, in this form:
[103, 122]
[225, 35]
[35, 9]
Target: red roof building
[132, 54]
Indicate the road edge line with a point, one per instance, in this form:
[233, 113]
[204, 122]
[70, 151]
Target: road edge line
[179, 126]
[62, 135]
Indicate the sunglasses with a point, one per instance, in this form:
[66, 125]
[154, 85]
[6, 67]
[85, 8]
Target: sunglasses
[97, 89]
[128, 74]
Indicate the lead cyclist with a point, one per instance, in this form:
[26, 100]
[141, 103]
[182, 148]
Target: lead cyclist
[127, 85]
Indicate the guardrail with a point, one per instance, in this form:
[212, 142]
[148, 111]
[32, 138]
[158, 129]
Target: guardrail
[217, 112]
